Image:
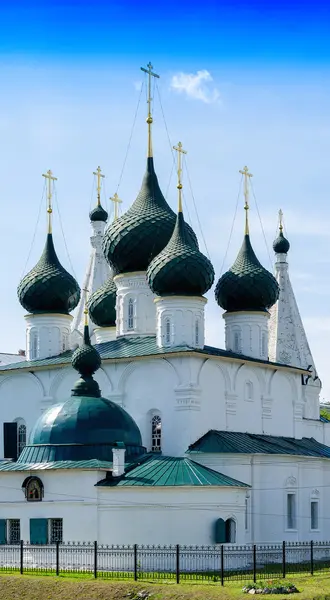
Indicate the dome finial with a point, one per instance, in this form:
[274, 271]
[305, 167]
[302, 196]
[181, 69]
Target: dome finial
[280, 218]
[50, 178]
[98, 173]
[116, 201]
[180, 151]
[281, 245]
[247, 175]
[150, 73]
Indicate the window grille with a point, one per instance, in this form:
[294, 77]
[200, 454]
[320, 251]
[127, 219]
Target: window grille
[197, 332]
[55, 530]
[168, 331]
[14, 531]
[21, 438]
[130, 314]
[156, 434]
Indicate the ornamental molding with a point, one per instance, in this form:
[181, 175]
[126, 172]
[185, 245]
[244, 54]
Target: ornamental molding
[315, 493]
[188, 397]
[266, 405]
[291, 482]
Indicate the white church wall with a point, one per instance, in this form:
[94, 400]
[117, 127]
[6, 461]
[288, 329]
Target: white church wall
[283, 393]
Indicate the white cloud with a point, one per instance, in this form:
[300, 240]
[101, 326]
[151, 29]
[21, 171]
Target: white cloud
[196, 86]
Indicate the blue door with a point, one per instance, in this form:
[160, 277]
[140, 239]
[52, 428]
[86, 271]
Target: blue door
[38, 531]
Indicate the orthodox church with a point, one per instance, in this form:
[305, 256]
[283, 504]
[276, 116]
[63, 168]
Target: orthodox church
[160, 438]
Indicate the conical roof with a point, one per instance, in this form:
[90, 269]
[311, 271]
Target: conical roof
[134, 239]
[102, 304]
[48, 287]
[180, 269]
[247, 285]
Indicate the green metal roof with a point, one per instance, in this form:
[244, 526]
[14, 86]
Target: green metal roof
[234, 442]
[123, 348]
[168, 471]
[63, 464]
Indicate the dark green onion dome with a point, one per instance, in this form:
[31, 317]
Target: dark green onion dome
[180, 269]
[98, 214]
[102, 304]
[247, 285]
[48, 287]
[281, 245]
[86, 426]
[134, 239]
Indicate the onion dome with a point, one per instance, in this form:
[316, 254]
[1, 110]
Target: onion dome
[86, 426]
[102, 304]
[247, 285]
[180, 269]
[48, 287]
[134, 239]
[98, 214]
[281, 245]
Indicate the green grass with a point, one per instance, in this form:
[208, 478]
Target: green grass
[69, 587]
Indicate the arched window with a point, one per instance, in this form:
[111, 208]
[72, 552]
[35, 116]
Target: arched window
[34, 345]
[248, 390]
[34, 489]
[264, 349]
[21, 437]
[65, 340]
[130, 314]
[197, 332]
[167, 331]
[156, 433]
[237, 341]
[230, 531]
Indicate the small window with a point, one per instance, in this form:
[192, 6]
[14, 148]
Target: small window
[34, 345]
[237, 341]
[264, 349]
[249, 390]
[14, 531]
[34, 489]
[21, 438]
[197, 332]
[230, 531]
[156, 434]
[130, 314]
[291, 511]
[246, 514]
[314, 514]
[55, 530]
[65, 340]
[168, 331]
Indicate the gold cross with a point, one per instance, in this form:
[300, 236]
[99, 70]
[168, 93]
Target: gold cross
[116, 201]
[50, 178]
[150, 74]
[280, 216]
[247, 176]
[98, 174]
[180, 151]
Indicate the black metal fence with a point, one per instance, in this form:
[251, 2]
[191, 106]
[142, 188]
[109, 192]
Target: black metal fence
[217, 563]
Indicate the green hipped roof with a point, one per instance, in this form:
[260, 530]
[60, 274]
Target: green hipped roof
[247, 285]
[102, 304]
[168, 471]
[180, 269]
[134, 239]
[234, 442]
[281, 245]
[125, 348]
[48, 287]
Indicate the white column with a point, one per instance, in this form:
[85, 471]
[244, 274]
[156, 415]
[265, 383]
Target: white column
[47, 335]
[180, 321]
[118, 464]
[135, 309]
[104, 334]
[247, 333]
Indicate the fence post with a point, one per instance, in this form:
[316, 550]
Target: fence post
[95, 559]
[222, 566]
[57, 557]
[177, 563]
[135, 563]
[312, 558]
[21, 553]
[283, 560]
[254, 563]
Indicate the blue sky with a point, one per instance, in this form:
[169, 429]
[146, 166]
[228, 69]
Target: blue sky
[240, 84]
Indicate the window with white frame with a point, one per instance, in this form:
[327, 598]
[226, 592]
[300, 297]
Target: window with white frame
[55, 530]
[13, 531]
[237, 341]
[246, 514]
[264, 348]
[156, 433]
[291, 511]
[167, 331]
[34, 344]
[314, 514]
[230, 526]
[65, 340]
[248, 390]
[197, 332]
[21, 437]
[130, 314]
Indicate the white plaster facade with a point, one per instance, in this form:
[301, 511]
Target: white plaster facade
[247, 333]
[135, 309]
[180, 321]
[47, 335]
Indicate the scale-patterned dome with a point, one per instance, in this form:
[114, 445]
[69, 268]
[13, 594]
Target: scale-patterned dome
[98, 214]
[247, 285]
[281, 245]
[180, 269]
[48, 287]
[102, 304]
[134, 239]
